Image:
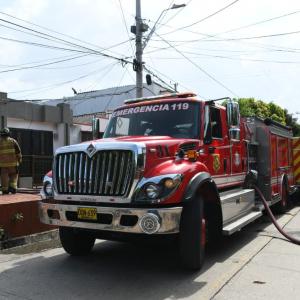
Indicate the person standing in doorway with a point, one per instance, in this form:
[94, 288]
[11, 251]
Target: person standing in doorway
[10, 159]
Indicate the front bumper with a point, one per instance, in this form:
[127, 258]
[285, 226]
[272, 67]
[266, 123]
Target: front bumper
[59, 215]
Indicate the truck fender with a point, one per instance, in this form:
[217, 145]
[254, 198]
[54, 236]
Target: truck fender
[194, 184]
[203, 183]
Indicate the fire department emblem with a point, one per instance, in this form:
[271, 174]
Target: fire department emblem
[216, 162]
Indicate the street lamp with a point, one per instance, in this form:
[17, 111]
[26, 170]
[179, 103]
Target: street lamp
[174, 6]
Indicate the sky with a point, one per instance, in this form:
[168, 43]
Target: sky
[247, 49]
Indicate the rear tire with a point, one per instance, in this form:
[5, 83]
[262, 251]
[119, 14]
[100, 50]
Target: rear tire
[76, 242]
[192, 235]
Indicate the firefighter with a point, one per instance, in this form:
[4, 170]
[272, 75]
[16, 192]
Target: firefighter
[10, 159]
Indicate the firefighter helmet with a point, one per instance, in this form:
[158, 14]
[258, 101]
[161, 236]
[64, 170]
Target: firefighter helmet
[4, 132]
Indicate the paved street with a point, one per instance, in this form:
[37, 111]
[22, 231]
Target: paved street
[252, 264]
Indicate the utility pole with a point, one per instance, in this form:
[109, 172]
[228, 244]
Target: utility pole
[138, 30]
[138, 62]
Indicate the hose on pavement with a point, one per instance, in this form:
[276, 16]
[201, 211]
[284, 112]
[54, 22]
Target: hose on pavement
[264, 201]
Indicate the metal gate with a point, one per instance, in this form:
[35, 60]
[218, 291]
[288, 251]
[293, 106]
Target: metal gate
[35, 166]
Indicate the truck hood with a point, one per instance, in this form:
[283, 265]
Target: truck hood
[163, 145]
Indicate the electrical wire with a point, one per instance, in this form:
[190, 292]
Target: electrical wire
[53, 31]
[160, 79]
[67, 49]
[126, 27]
[103, 76]
[37, 61]
[199, 68]
[45, 64]
[234, 39]
[73, 66]
[267, 47]
[45, 35]
[205, 18]
[53, 86]
[259, 22]
[227, 58]
[115, 90]
[172, 80]
[237, 28]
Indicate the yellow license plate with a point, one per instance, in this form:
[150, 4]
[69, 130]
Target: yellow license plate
[87, 213]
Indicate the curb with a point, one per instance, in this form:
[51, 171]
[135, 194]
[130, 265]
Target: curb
[50, 238]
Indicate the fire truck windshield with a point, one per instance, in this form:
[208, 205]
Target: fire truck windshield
[174, 119]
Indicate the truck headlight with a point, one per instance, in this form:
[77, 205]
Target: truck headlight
[152, 191]
[156, 189]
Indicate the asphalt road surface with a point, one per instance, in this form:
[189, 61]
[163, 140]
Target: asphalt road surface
[125, 271]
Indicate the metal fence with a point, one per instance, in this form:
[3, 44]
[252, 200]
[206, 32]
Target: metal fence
[35, 166]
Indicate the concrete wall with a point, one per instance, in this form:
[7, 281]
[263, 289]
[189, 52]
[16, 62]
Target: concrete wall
[26, 115]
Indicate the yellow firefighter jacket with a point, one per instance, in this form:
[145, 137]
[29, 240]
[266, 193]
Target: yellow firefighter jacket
[10, 153]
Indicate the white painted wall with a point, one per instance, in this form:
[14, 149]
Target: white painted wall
[57, 129]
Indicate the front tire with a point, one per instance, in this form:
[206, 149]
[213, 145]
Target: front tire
[76, 242]
[192, 235]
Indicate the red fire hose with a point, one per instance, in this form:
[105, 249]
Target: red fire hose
[264, 201]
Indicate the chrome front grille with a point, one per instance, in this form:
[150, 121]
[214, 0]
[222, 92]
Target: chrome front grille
[106, 173]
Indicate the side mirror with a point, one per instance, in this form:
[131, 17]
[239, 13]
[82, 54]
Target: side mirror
[233, 114]
[233, 120]
[96, 128]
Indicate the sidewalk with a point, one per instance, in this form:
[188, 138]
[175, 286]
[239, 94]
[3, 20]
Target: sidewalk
[274, 273]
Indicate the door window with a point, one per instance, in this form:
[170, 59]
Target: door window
[216, 126]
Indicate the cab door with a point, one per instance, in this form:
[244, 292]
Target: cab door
[217, 148]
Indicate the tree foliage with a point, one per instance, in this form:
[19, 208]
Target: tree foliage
[251, 107]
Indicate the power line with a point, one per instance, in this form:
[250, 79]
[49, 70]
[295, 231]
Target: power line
[205, 18]
[161, 80]
[198, 67]
[60, 83]
[67, 49]
[237, 28]
[258, 23]
[234, 39]
[125, 24]
[115, 90]
[103, 76]
[73, 66]
[53, 31]
[229, 58]
[43, 35]
[208, 36]
[36, 61]
[51, 37]
[41, 65]
[165, 76]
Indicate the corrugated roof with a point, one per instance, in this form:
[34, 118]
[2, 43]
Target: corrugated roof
[103, 100]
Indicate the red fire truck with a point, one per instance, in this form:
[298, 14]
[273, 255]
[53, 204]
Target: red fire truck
[168, 166]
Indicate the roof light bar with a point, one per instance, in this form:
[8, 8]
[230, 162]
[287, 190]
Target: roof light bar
[165, 96]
